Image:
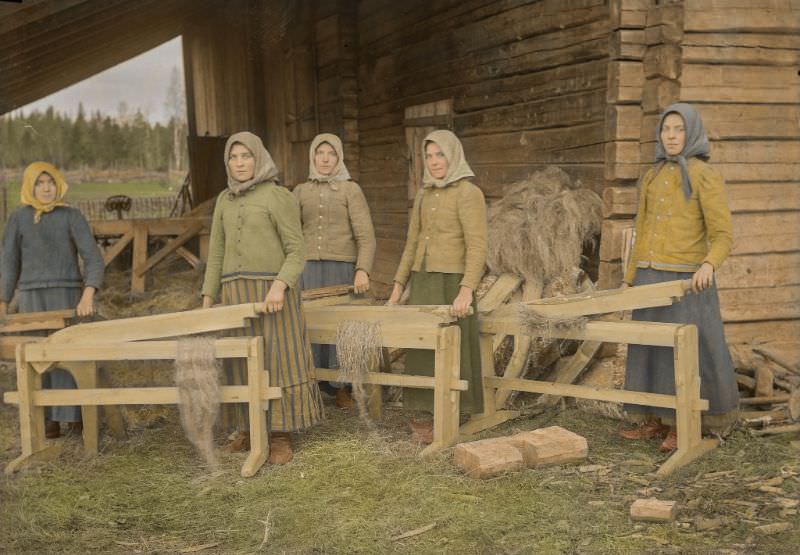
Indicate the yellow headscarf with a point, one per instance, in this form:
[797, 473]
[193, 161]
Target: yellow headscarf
[29, 178]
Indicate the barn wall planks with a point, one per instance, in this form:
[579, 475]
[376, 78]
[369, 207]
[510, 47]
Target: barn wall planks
[528, 82]
[737, 63]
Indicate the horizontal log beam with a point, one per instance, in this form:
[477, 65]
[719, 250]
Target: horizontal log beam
[398, 380]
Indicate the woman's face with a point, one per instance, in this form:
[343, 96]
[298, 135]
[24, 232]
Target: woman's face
[435, 161]
[673, 134]
[241, 163]
[45, 190]
[325, 159]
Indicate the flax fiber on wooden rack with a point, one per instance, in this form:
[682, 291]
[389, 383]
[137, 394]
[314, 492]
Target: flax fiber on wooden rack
[358, 350]
[197, 379]
[538, 229]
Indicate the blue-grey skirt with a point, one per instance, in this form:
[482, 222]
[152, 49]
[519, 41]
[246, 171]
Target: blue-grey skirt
[652, 369]
[324, 273]
[54, 298]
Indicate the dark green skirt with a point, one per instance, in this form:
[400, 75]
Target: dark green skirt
[439, 288]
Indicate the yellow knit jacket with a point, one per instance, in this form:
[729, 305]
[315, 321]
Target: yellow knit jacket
[676, 234]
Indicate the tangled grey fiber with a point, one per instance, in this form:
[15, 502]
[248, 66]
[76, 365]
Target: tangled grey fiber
[358, 349]
[197, 379]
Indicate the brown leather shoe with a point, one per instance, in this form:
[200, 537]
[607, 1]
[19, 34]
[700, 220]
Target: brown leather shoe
[647, 430]
[670, 443]
[52, 429]
[344, 399]
[280, 448]
[422, 431]
[239, 443]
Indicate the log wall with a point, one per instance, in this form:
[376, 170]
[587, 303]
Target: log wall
[737, 62]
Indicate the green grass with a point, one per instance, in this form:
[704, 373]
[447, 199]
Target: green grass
[89, 191]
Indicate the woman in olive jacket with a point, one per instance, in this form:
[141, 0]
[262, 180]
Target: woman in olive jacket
[443, 262]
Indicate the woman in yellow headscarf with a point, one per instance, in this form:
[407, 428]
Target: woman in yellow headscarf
[42, 243]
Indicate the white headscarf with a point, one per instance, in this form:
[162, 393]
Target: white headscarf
[340, 172]
[457, 167]
[265, 169]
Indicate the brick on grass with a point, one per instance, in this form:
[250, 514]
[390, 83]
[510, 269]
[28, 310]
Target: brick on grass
[653, 510]
[552, 445]
[488, 457]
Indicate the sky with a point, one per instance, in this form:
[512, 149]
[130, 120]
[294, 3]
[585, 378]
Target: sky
[141, 82]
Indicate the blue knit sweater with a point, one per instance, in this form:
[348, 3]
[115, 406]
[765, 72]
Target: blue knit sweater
[43, 255]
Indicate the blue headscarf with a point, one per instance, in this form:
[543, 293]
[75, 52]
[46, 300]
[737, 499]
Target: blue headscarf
[696, 142]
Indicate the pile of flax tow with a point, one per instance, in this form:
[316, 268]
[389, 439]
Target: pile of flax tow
[358, 350]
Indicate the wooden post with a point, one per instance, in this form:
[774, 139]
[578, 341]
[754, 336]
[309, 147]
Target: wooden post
[31, 417]
[85, 374]
[139, 256]
[257, 379]
[492, 414]
[691, 445]
[447, 371]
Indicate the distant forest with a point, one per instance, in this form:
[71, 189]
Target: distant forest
[96, 141]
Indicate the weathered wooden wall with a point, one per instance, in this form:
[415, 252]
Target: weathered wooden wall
[737, 62]
[527, 79]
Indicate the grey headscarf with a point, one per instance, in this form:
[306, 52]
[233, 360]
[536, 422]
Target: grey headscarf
[265, 169]
[696, 142]
[457, 167]
[340, 172]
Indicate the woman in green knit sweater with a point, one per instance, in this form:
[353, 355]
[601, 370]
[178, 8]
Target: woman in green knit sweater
[256, 253]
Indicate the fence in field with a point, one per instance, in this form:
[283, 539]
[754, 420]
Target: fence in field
[141, 207]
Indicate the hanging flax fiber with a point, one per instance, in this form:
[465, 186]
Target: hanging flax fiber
[358, 350]
[197, 379]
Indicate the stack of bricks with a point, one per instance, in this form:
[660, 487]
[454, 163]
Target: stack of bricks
[534, 449]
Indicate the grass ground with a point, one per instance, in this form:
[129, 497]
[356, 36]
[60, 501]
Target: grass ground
[353, 488]
[88, 191]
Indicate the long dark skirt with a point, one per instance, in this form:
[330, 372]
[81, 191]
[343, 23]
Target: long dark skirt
[287, 355]
[652, 369]
[54, 298]
[439, 288]
[324, 273]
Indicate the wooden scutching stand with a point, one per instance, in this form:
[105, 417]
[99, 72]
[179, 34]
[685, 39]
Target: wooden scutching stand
[80, 347]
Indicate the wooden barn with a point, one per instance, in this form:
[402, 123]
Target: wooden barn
[524, 83]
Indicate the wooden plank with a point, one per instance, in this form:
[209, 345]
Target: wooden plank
[159, 326]
[140, 236]
[705, 16]
[116, 249]
[43, 322]
[155, 226]
[760, 303]
[627, 14]
[396, 380]
[663, 60]
[169, 248]
[611, 239]
[257, 391]
[625, 82]
[636, 333]
[739, 55]
[394, 335]
[131, 396]
[570, 372]
[589, 392]
[627, 44]
[189, 256]
[610, 275]
[762, 332]
[499, 292]
[622, 160]
[623, 122]
[759, 270]
[600, 302]
[8, 344]
[755, 233]
[739, 83]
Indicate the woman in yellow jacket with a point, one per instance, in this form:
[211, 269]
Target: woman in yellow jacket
[443, 262]
[683, 231]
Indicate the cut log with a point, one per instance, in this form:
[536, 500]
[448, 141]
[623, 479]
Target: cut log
[571, 371]
[499, 292]
[488, 457]
[552, 445]
[778, 358]
[789, 428]
[763, 400]
[745, 381]
[654, 510]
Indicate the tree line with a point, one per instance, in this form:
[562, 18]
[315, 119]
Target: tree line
[97, 141]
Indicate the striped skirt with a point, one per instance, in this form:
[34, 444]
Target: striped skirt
[287, 355]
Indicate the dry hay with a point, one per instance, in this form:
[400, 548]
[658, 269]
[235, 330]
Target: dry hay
[358, 350]
[197, 379]
[537, 230]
